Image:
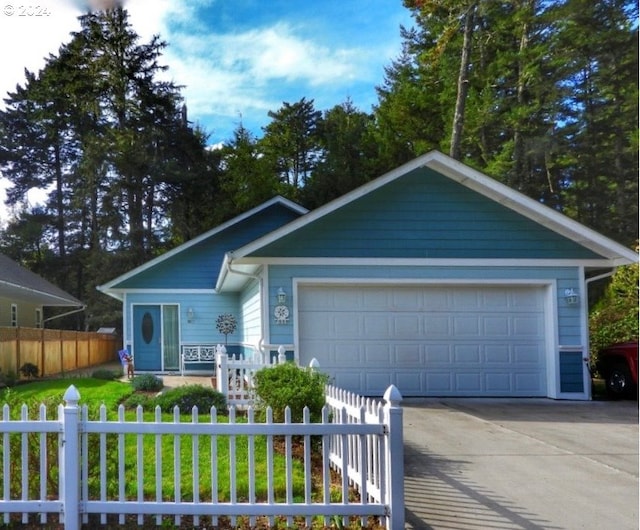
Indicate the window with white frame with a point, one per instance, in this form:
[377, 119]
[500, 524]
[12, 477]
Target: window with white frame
[38, 317]
[14, 315]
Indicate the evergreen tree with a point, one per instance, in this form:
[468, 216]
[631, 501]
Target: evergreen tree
[291, 143]
[248, 179]
[348, 158]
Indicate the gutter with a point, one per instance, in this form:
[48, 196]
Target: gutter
[64, 314]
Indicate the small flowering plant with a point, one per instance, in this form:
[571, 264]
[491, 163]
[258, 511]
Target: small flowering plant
[226, 324]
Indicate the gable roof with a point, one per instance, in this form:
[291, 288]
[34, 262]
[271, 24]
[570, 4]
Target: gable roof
[613, 253]
[20, 284]
[108, 288]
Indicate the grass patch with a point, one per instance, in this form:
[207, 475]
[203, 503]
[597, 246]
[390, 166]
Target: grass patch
[141, 452]
[92, 391]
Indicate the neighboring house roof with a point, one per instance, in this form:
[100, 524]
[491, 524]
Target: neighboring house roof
[119, 285]
[20, 284]
[606, 252]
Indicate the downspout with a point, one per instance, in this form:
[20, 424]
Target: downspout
[261, 288]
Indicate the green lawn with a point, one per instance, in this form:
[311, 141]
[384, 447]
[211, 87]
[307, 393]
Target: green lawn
[95, 392]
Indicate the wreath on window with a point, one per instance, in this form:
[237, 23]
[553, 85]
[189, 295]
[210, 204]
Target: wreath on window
[226, 324]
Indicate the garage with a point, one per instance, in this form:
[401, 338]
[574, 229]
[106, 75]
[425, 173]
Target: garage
[428, 340]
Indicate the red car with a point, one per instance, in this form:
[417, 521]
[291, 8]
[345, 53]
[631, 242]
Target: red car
[618, 365]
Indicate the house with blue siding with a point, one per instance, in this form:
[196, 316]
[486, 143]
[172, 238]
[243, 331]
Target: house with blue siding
[433, 277]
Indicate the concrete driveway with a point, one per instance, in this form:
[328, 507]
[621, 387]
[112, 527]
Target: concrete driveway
[520, 464]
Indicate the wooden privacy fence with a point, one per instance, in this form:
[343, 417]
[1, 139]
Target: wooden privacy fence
[54, 351]
[363, 443]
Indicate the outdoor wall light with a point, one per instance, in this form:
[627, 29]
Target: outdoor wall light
[571, 297]
[190, 314]
[282, 296]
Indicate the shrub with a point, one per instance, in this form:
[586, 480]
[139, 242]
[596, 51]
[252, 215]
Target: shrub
[290, 385]
[147, 383]
[104, 374]
[134, 400]
[29, 370]
[615, 317]
[9, 379]
[189, 396]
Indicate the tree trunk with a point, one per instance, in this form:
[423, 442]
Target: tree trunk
[463, 83]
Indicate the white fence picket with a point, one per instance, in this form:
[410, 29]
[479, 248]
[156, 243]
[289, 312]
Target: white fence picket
[357, 439]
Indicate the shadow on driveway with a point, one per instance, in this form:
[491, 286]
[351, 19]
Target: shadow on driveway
[520, 464]
[438, 495]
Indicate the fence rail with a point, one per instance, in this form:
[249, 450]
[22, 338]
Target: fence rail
[362, 443]
[54, 351]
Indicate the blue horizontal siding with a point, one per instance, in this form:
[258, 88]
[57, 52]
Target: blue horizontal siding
[198, 266]
[424, 214]
[569, 323]
[206, 308]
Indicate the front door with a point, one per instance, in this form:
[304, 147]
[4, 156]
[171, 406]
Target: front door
[147, 337]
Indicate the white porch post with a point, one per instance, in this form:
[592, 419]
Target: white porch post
[394, 459]
[70, 461]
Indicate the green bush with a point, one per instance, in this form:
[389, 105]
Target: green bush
[104, 374]
[615, 317]
[147, 383]
[189, 396]
[290, 385]
[29, 370]
[135, 399]
[9, 379]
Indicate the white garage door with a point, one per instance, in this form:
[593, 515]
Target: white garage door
[426, 340]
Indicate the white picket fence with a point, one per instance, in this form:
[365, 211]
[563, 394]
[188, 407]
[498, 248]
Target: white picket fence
[361, 439]
[234, 375]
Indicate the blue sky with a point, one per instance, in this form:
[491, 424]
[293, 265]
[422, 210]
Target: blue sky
[237, 59]
[240, 59]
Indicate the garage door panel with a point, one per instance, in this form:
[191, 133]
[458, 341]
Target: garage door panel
[436, 299]
[345, 354]
[496, 300]
[498, 382]
[407, 300]
[375, 326]
[528, 354]
[437, 326]
[427, 340]
[408, 327]
[408, 354]
[497, 353]
[438, 353]
[467, 354]
[465, 300]
[438, 383]
[412, 381]
[377, 354]
[349, 380]
[527, 382]
[528, 326]
[496, 326]
[466, 326]
[468, 383]
[377, 381]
